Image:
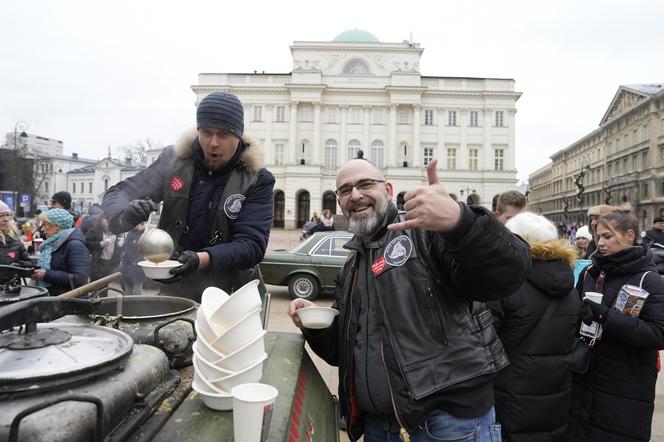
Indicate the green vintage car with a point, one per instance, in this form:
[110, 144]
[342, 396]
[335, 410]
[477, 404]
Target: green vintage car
[311, 267]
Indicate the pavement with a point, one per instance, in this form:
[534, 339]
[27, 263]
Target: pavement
[279, 321]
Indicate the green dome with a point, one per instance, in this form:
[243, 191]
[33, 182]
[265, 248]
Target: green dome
[356, 36]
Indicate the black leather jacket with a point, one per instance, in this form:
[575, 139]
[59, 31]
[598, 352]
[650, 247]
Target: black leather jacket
[434, 341]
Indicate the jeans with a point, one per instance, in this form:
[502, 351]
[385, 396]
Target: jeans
[443, 427]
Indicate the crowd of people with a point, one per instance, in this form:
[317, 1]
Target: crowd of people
[455, 322]
[66, 250]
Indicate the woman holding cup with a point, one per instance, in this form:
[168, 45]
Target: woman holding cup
[614, 399]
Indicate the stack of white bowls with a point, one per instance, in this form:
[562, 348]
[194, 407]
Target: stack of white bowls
[230, 348]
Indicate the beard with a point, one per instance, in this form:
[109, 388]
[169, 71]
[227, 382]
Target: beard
[369, 225]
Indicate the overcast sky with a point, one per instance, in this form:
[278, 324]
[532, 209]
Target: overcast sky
[107, 73]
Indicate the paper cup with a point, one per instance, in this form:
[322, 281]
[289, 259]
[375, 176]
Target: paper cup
[252, 411]
[594, 297]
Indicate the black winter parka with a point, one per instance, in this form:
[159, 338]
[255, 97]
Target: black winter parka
[533, 392]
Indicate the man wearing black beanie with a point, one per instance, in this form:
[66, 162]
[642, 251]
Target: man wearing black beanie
[217, 200]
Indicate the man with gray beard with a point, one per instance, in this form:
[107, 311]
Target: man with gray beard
[416, 353]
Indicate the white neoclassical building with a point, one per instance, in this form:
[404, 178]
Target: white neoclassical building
[357, 93]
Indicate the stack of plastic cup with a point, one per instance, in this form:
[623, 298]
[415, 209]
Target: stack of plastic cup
[230, 348]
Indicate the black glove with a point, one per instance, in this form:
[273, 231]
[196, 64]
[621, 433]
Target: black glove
[138, 211]
[592, 311]
[190, 263]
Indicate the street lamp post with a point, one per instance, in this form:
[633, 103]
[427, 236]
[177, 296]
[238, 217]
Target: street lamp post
[21, 126]
[585, 165]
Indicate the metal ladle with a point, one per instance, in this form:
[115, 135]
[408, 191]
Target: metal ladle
[156, 245]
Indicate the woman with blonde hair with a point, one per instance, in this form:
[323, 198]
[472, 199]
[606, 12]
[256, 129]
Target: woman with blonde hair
[12, 250]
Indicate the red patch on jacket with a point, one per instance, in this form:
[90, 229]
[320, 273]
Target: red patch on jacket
[378, 266]
[176, 184]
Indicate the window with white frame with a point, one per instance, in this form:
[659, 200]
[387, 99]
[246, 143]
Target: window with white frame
[258, 113]
[451, 118]
[472, 118]
[279, 154]
[330, 154]
[73, 187]
[331, 113]
[451, 158]
[428, 117]
[473, 158]
[403, 116]
[499, 159]
[377, 115]
[306, 113]
[377, 154]
[90, 187]
[355, 115]
[500, 119]
[353, 149]
[280, 114]
[46, 186]
[644, 132]
[427, 154]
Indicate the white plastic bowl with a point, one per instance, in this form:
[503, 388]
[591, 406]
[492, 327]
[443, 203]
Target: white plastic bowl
[241, 302]
[208, 370]
[211, 299]
[243, 332]
[317, 317]
[248, 375]
[159, 271]
[204, 385]
[203, 329]
[244, 357]
[216, 401]
[208, 353]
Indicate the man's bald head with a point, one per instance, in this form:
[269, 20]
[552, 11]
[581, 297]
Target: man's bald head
[356, 166]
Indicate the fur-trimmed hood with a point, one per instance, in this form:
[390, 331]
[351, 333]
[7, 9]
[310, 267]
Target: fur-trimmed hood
[558, 250]
[552, 267]
[252, 157]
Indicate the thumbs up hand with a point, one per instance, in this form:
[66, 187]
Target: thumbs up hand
[429, 207]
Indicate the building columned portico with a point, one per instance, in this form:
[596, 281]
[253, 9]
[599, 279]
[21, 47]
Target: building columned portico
[356, 93]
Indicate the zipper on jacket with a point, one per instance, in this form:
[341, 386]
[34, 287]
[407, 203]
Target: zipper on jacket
[437, 313]
[402, 430]
[349, 402]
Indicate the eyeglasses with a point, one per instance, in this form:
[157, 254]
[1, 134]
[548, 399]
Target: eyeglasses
[362, 185]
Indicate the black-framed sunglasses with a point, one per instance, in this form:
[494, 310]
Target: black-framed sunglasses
[362, 185]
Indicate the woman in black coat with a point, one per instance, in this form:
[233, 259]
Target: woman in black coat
[533, 392]
[12, 251]
[614, 400]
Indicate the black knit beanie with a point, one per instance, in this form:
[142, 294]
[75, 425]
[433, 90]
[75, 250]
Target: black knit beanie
[62, 197]
[221, 110]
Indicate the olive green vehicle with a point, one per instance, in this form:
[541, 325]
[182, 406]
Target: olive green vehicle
[311, 267]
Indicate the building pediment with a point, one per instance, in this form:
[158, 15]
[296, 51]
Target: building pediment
[625, 99]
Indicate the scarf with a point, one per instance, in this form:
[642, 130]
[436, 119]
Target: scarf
[47, 248]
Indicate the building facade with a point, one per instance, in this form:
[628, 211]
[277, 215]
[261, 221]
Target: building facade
[618, 163]
[33, 145]
[356, 93]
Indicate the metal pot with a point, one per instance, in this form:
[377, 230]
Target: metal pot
[165, 322]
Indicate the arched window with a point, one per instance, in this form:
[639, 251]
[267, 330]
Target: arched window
[302, 208]
[377, 155]
[330, 201]
[279, 208]
[400, 200]
[353, 149]
[330, 154]
[356, 67]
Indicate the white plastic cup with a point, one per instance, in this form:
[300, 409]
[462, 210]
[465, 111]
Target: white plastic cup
[594, 297]
[252, 411]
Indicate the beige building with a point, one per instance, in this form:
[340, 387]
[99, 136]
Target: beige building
[357, 93]
[619, 162]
